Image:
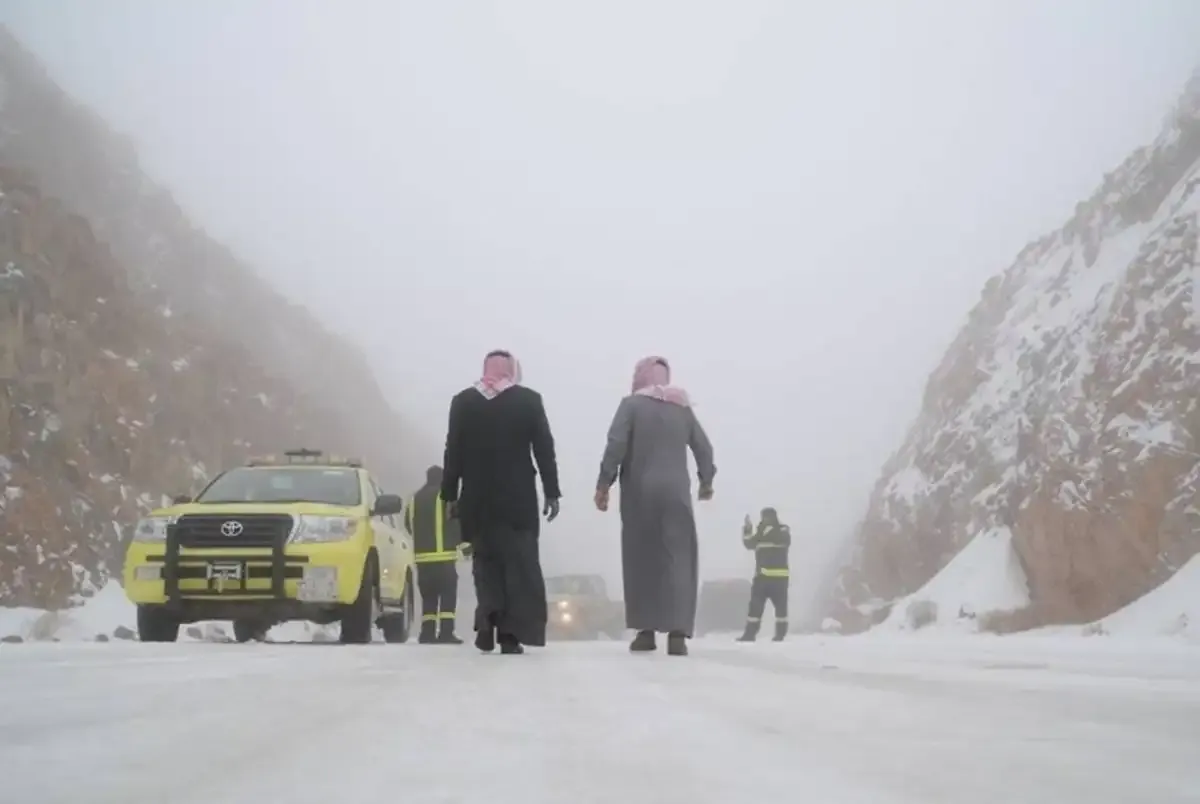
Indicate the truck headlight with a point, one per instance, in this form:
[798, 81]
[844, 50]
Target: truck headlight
[152, 528]
[563, 605]
[312, 529]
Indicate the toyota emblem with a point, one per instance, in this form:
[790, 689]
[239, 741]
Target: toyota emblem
[231, 528]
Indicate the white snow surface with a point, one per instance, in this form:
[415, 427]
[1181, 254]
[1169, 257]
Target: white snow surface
[102, 613]
[109, 609]
[1172, 608]
[984, 577]
[883, 719]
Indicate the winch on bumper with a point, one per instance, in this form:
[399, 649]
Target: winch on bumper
[195, 574]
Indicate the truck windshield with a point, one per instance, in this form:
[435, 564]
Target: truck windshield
[284, 485]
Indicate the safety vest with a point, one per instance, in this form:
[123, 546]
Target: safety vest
[770, 544]
[425, 519]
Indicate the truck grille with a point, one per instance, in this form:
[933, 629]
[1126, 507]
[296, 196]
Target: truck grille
[214, 530]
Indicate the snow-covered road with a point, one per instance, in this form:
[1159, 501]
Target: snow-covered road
[815, 720]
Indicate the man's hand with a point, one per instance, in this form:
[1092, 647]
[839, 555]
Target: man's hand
[452, 510]
[601, 499]
[550, 509]
[706, 493]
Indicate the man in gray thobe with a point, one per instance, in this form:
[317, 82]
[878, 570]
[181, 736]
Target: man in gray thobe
[648, 442]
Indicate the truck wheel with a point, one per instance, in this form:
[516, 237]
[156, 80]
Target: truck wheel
[397, 626]
[156, 624]
[359, 617]
[246, 630]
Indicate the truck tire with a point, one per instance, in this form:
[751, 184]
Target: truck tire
[397, 626]
[156, 624]
[358, 618]
[246, 630]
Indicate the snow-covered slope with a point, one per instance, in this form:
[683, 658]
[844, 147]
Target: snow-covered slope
[984, 578]
[1171, 609]
[1066, 410]
[137, 355]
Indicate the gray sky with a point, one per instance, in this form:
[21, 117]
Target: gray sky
[797, 203]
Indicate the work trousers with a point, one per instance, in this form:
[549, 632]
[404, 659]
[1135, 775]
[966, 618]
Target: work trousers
[438, 583]
[764, 589]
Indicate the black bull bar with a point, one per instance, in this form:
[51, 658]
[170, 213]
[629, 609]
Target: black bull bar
[281, 567]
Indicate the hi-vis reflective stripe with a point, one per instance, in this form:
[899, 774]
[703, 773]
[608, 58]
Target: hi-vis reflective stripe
[753, 619]
[429, 618]
[439, 553]
[445, 615]
[761, 545]
[439, 537]
[431, 558]
[774, 573]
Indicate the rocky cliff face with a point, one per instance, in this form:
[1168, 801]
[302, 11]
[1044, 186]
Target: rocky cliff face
[137, 356]
[1066, 410]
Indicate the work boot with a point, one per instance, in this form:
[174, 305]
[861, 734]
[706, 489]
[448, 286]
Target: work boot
[446, 634]
[428, 633]
[509, 644]
[676, 644]
[750, 634]
[780, 631]
[643, 642]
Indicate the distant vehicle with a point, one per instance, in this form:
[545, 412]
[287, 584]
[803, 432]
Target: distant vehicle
[580, 608]
[292, 537]
[722, 606]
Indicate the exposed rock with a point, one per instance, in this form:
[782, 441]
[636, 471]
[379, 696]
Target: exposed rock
[121, 632]
[1067, 410]
[11, 639]
[102, 637]
[137, 356]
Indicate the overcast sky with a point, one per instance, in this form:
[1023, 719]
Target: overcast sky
[797, 203]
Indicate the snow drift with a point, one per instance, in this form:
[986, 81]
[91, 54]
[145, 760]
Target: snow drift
[109, 615]
[984, 578]
[1172, 609]
[106, 614]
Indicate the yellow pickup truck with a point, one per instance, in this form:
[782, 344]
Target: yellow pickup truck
[293, 537]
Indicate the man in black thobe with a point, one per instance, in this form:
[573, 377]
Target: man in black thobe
[497, 429]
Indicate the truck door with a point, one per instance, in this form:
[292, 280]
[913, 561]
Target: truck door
[386, 535]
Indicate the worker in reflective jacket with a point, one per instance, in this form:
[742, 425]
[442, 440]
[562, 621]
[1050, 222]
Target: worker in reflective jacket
[770, 542]
[436, 540]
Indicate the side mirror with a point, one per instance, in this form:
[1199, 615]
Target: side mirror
[387, 505]
[181, 499]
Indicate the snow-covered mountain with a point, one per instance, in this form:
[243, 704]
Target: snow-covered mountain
[137, 355]
[1066, 412]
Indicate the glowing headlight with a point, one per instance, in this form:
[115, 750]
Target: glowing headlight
[315, 529]
[563, 605]
[152, 528]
